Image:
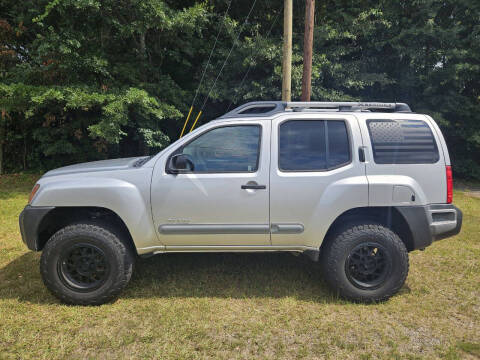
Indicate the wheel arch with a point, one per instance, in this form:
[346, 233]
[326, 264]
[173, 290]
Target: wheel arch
[60, 217]
[389, 217]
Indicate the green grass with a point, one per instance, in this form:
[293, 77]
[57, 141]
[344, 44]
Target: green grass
[265, 306]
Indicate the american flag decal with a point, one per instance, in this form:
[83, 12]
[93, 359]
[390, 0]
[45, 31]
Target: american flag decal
[402, 142]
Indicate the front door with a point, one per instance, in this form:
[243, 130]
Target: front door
[224, 200]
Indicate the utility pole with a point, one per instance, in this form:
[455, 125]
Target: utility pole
[287, 51]
[308, 50]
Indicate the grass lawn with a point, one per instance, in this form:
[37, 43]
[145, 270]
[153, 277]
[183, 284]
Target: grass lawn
[268, 306]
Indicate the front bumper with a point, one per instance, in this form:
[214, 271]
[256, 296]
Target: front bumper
[431, 222]
[30, 221]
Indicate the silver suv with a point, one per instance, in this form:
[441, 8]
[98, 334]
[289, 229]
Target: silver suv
[355, 186]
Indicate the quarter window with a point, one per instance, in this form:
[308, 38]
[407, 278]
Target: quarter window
[225, 149]
[313, 145]
[402, 142]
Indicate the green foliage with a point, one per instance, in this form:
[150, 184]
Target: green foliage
[88, 79]
[62, 119]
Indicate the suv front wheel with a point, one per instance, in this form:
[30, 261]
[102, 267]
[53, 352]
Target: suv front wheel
[366, 262]
[86, 264]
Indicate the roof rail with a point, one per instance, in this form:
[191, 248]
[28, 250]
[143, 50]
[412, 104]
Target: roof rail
[348, 106]
[256, 109]
[268, 108]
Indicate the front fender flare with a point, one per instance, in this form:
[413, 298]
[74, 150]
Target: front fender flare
[122, 197]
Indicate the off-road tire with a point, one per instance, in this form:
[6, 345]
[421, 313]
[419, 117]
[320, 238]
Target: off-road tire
[335, 258]
[117, 253]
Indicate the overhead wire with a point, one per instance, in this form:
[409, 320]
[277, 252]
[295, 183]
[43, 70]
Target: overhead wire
[251, 64]
[228, 56]
[205, 69]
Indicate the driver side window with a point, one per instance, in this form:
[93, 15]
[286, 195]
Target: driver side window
[225, 149]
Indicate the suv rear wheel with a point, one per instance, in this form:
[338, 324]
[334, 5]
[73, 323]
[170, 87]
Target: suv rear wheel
[86, 264]
[365, 263]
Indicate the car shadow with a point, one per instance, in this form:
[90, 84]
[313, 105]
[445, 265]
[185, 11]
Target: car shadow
[216, 275]
[229, 275]
[20, 279]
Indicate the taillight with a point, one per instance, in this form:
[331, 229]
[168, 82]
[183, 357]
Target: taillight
[449, 184]
[34, 191]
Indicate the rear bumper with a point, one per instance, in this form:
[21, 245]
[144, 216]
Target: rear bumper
[446, 221]
[30, 220]
[431, 222]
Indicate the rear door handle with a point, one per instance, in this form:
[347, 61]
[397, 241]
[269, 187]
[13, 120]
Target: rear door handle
[254, 187]
[361, 154]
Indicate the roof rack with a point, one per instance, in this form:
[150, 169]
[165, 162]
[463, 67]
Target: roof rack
[268, 108]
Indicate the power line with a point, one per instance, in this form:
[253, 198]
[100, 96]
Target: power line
[251, 64]
[211, 52]
[228, 56]
[203, 74]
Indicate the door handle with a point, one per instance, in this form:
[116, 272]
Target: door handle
[361, 154]
[254, 187]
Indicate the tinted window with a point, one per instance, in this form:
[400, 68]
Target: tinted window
[338, 146]
[226, 149]
[308, 145]
[402, 142]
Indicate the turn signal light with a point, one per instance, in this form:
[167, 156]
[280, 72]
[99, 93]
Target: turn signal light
[34, 191]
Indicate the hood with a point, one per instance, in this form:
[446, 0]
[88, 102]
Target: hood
[102, 165]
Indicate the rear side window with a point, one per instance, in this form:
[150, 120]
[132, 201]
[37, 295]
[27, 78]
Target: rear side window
[402, 142]
[313, 145]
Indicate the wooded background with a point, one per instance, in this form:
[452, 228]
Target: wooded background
[91, 79]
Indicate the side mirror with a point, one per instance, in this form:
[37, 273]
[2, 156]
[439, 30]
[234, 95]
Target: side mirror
[180, 163]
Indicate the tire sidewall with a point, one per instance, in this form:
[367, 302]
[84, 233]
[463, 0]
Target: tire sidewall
[344, 245]
[66, 239]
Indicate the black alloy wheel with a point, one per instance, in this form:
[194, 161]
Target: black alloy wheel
[368, 265]
[83, 267]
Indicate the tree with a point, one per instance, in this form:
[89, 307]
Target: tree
[89, 79]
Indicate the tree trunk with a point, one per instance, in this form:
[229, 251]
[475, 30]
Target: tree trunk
[3, 122]
[1, 157]
[143, 46]
[25, 151]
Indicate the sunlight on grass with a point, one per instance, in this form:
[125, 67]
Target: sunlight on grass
[268, 306]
